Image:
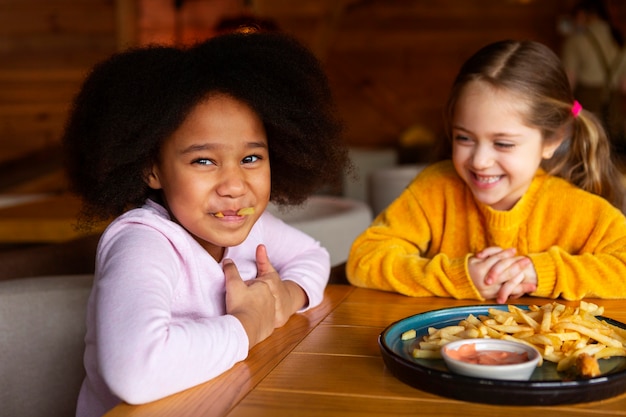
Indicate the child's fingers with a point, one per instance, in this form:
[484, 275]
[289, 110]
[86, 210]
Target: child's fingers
[515, 288]
[231, 274]
[263, 262]
[506, 269]
[508, 288]
[527, 287]
[495, 250]
[230, 270]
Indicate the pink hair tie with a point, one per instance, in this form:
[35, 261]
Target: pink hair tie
[576, 108]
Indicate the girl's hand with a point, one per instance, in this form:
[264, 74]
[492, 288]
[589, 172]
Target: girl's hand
[289, 296]
[525, 282]
[481, 264]
[252, 303]
[514, 275]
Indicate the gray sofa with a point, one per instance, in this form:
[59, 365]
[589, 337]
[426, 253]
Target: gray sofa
[42, 329]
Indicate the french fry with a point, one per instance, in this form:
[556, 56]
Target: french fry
[510, 328]
[565, 336]
[592, 333]
[426, 354]
[408, 335]
[246, 211]
[451, 330]
[546, 320]
[609, 352]
[619, 333]
[523, 317]
[560, 333]
[436, 345]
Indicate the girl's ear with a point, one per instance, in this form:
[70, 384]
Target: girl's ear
[550, 147]
[151, 178]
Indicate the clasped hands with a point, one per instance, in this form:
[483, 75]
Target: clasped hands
[264, 303]
[500, 274]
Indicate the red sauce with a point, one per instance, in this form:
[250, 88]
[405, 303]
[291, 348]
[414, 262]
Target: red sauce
[468, 353]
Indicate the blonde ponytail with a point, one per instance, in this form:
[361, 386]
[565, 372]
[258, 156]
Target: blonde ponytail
[584, 159]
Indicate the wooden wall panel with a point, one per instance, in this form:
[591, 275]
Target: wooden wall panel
[46, 48]
[49, 17]
[390, 62]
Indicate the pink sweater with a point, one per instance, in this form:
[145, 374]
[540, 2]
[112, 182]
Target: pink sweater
[156, 321]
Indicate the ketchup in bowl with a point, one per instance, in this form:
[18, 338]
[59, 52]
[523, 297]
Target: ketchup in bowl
[491, 358]
[468, 353]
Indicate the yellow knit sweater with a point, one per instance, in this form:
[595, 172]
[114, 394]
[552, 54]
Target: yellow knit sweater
[420, 245]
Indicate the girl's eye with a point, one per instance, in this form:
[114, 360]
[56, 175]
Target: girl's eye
[202, 161]
[504, 145]
[250, 159]
[461, 138]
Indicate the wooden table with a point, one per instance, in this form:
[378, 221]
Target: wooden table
[326, 362]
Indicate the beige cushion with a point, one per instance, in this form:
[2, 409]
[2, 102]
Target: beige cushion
[42, 329]
[333, 221]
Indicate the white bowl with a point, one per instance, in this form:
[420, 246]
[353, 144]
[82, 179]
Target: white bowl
[517, 371]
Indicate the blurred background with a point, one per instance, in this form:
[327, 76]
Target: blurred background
[390, 62]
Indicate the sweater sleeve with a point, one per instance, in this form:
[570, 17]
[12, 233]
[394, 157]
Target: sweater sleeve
[591, 262]
[398, 251]
[145, 350]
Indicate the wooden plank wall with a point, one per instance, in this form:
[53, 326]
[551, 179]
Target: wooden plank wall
[390, 61]
[46, 47]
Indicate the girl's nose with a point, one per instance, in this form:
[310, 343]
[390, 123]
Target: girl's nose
[481, 157]
[232, 182]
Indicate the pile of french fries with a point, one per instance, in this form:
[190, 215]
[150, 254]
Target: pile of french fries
[560, 333]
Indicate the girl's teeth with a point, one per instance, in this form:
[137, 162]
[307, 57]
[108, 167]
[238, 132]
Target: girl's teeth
[488, 180]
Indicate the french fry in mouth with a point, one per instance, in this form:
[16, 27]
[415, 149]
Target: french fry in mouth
[246, 211]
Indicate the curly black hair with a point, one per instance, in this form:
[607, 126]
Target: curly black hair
[132, 102]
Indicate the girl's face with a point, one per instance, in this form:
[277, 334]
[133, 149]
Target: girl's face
[214, 173]
[493, 150]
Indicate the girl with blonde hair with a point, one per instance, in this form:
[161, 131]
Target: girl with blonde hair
[529, 203]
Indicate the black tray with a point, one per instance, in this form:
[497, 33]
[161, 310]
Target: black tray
[545, 387]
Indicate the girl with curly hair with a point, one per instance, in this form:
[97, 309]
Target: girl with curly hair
[185, 148]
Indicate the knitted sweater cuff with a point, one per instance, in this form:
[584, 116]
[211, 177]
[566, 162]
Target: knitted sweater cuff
[459, 275]
[546, 274]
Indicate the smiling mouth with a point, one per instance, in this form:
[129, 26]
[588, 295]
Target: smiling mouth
[486, 179]
[246, 211]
